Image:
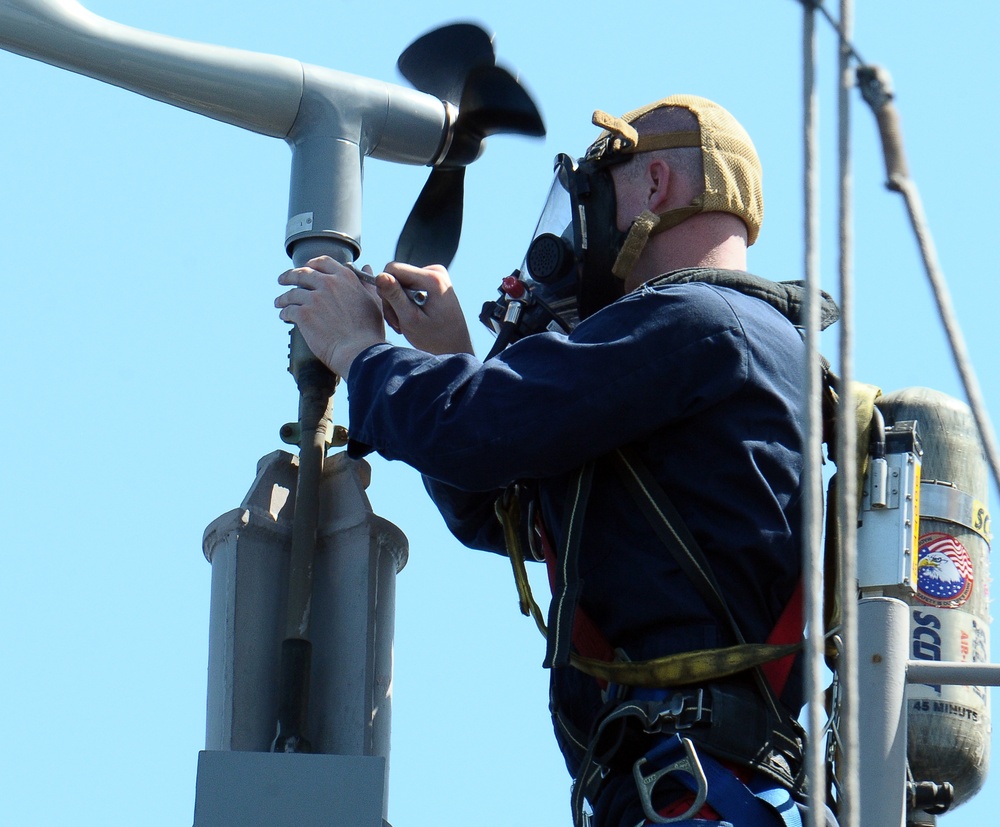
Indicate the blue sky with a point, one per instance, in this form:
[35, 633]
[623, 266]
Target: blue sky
[143, 367]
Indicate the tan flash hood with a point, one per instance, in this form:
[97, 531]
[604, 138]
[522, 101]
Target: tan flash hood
[732, 168]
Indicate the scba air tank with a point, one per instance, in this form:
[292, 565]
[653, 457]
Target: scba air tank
[948, 726]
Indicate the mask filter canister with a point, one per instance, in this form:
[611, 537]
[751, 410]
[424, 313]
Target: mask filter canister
[549, 258]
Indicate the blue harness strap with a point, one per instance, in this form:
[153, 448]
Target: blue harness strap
[779, 798]
[747, 805]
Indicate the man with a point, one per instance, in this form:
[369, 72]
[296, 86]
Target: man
[691, 379]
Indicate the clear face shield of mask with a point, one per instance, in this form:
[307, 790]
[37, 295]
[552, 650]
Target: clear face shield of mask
[550, 268]
[566, 273]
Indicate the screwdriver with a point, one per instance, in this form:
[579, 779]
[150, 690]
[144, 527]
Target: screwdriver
[418, 297]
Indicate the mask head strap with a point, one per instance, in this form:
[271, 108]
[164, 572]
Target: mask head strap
[646, 225]
[621, 142]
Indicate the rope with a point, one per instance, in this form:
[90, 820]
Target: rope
[908, 189]
[874, 84]
[875, 87]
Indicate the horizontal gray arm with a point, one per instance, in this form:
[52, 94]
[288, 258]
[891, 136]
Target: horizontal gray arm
[253, 91]
[957, 674]
[331, 120]
[275, 96]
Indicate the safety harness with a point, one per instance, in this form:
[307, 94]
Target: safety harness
[658, 710]
[726, 720]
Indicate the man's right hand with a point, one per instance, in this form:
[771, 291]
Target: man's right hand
[438, 326]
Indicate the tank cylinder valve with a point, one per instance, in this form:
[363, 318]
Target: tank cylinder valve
[932, 798]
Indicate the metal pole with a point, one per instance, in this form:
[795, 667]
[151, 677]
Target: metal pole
[316, 385]
[884, 633]
[953, 674]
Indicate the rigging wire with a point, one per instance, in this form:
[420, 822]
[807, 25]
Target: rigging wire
[843, 31]
[848, 765]
[812, 564]
[908, 189]
[876, 89]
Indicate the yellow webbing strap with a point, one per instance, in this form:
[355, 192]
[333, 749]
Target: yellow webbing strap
[509, 514]
[685, 668]
[865, 396]
[671, 670]
[702, 666]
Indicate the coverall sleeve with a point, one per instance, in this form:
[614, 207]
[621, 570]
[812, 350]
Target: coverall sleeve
[549, 402]
[469, 515]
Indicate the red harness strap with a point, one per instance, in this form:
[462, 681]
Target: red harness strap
[591, 643]
[788, 629]
[587, 638]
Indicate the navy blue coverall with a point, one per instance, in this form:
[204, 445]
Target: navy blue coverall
[703, 381]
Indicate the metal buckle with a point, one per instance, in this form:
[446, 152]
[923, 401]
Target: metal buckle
[598, 149]
[645, 784]
[611, 149]
[684, 710]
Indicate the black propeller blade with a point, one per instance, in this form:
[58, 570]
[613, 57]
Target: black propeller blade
[438, 62]
[434, 226]
[457, 63]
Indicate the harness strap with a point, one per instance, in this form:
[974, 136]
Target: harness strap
[751, 804]
[787, 630]
[681, 669]
[779, 798]
[566, 589]
[588, 640]
[725, 727]
[673, 533]
[674, 670]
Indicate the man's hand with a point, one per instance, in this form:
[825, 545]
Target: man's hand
[336, 313]
[438, 326]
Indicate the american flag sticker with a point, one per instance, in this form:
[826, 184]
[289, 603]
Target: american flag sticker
[944, 571]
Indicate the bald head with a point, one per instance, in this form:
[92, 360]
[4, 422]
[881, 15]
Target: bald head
[666, 179]
[684, 161]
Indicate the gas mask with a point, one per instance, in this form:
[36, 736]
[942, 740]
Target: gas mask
[567, 272]
[578, 260]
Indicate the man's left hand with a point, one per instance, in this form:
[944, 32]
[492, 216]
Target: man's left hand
[337, 314]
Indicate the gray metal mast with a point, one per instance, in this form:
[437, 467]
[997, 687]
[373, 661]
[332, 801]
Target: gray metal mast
[305, 521]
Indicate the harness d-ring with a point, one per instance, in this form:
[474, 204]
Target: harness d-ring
[645, 783]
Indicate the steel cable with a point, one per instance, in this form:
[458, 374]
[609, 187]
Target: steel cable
[812, 563]
[848, 798]
[908, 189]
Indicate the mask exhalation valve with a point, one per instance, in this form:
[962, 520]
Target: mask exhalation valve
[549, 258]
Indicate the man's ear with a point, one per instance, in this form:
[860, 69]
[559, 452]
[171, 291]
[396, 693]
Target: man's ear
[658, 179]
